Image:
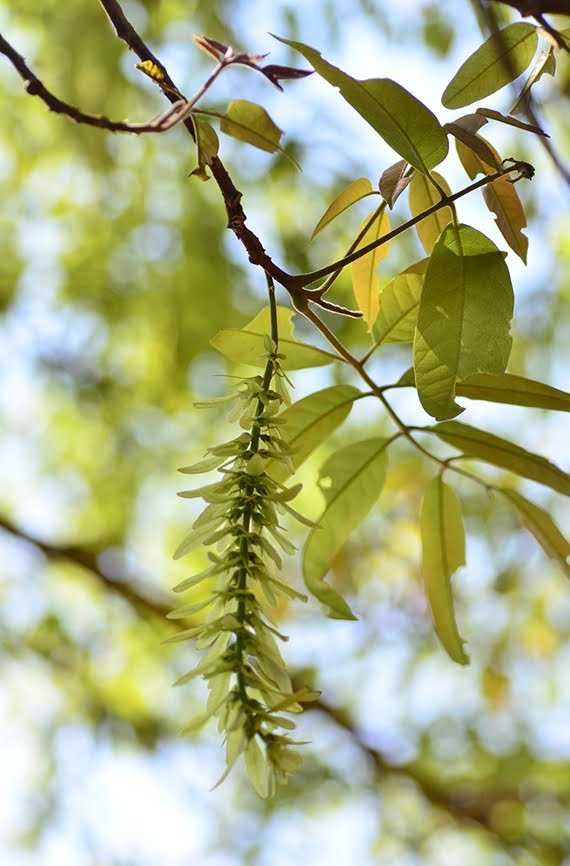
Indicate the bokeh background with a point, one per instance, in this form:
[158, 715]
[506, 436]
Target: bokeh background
[115, 271]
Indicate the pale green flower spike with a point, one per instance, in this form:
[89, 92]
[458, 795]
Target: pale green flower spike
[249, 685]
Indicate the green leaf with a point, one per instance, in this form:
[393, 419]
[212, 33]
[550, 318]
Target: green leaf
[399, 118]
[207, 145]
[247, 346]
[516, 390]
[364, 276]
[443, 552]
[545, 64]
[502, 453]
[399, 304]
[208, 140]
[311, 421]
[393, 181]
[354, 192]
[423, 195]
[357, 475]
[540, 524]
[498, 61]
[464, 317]
[249, 122]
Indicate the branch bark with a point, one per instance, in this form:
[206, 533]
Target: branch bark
[145, 603]
[538, 7]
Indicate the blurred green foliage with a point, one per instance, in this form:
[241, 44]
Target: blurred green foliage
[115, 271]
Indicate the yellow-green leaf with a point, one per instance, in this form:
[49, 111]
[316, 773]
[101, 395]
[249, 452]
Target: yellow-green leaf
[443, 552]
[540, 524]
[207, 141]
[501, 198]
[356, 476]
[498, 61]
[247, 346]
[516, 390]
[464, 317]
[207, 145]
[405, 123]
[399, 304]
[423, 195]
[500, 452]
[249, 122]
[364, 276]
[310, 421]
[355, 191]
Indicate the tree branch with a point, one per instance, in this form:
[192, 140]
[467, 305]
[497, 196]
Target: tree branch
[35, 87]
[538, 7]
[468, 805]
[89, 558]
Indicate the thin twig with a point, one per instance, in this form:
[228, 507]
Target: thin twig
[35, 87]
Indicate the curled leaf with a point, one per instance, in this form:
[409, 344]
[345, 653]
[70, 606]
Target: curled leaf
[393, 181]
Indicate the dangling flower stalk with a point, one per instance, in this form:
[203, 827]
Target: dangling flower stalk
[246, 675]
